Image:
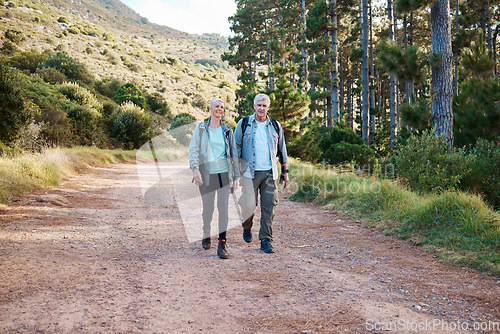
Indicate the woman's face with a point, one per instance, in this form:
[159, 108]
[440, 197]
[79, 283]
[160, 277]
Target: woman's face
[217, 109]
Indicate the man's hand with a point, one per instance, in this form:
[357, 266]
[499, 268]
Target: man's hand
[286, 180]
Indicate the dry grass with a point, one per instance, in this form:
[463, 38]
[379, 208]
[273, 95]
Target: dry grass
[23, 173]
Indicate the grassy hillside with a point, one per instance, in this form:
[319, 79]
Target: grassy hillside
[114, 41]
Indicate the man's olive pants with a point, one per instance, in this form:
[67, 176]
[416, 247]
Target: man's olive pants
[264, 184]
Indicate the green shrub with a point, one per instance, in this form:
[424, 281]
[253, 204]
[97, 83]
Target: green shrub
[347, 152]
[130, 92]
[182, 119]
[158, 105]
[46, 96]
[51, 75]
[74, 30]
[345, 145]
[425, 163]
[57, 129]
[133, 67]
[86, 125]
[62, 19]
[14, 111]
[182, 128]
[200, 102]
[31, 138]
[15, 36]
[9, 48]
[108, 86]
[308, 146]
[484, 176]
[26, 61]
[81, 96]
[68, 66]
[132, 126]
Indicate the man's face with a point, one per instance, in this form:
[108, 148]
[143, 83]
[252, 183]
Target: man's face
[261, 109]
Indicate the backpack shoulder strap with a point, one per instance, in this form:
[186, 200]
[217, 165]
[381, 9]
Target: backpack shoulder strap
[244, 124]
[275, 124]
[277, 128]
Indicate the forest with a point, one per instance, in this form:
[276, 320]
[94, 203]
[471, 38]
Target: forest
[414, 84]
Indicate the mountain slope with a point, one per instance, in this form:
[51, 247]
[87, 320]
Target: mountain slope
[114, 41]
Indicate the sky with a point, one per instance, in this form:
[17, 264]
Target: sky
[191, 16]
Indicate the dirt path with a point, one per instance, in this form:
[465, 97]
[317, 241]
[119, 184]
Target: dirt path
[112, 263]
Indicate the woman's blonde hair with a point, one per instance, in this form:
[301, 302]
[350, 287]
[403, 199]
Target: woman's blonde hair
[215, 100]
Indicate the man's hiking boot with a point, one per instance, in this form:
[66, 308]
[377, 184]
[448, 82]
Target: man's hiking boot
[247, 235]
[265, 245]
[205, 243]
[221, 249]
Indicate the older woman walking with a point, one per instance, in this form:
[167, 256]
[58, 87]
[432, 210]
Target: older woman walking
[213, 158]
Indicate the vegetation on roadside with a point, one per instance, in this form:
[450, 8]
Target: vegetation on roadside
[457, 226]
[24, 172]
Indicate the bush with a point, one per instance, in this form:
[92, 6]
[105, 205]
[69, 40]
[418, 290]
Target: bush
[68, 66]
[108, 86]
[81, 96]
[86, 125]
[345, 145]
[31, 138]
[14, 111]
[132, 126]
[308, 147]
[182, 119]
[200, 102]
[182, 128]
[129, 92]
[9, 48]
[484, 176]
[15, 36]
[347, 152]
[27, 61]
[56, 129]
[51, 75]
[425, 164]
[158, 105]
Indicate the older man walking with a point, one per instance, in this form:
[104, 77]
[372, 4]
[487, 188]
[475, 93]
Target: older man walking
[260, 140]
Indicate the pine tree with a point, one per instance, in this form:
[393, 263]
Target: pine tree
[476, 107]
[442, 59]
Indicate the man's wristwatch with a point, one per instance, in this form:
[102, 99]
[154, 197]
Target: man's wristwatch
[285, 171]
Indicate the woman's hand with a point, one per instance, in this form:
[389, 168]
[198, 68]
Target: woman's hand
[197, 176]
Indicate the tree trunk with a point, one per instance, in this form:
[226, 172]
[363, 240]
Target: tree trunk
[392, 95]
[364, 76]
[488, 27]
[335, 67]
[441, 113]
[302, 51]
[269, 63]
[455, 81]
[349, 103]
[372, 74]
[341, 86]
[405, 42]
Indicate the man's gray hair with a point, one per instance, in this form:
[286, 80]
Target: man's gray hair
[262, 96]
[215, 100]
